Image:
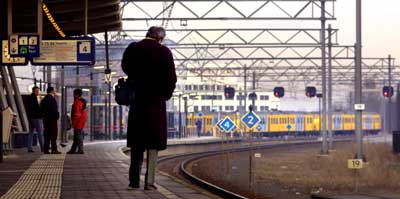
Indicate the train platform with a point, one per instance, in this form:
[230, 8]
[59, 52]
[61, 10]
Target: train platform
[102, 172]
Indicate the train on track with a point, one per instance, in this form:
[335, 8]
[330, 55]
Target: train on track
[277, 124]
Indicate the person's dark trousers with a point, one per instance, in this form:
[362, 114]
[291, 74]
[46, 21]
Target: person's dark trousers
[50, 136]
[136, 166]
[78, 141]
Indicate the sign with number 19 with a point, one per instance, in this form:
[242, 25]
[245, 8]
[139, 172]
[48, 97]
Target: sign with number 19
[355, 164]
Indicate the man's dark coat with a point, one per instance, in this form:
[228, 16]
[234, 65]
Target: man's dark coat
[150, 66]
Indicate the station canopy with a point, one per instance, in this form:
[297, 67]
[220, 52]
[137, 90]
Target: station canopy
[69, 15]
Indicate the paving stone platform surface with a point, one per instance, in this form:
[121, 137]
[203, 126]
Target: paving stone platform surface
[102, 172]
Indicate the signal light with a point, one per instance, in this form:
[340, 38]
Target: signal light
[253, 96]
[311, 91]
[279, 92]
[387, 91]
[229, 92]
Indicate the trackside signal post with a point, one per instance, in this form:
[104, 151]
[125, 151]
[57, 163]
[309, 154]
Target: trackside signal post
[250, 120]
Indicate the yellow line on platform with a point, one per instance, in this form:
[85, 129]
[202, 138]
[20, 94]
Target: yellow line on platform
[43, 179]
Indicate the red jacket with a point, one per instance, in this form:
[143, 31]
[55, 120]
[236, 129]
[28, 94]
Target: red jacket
[79, 113]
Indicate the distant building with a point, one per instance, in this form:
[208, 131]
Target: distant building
[209, 96]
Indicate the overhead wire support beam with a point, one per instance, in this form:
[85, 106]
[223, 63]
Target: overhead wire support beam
[244, 36]
[218, 49]
[212, 13]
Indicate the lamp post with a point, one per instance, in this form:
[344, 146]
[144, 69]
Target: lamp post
[107, 110]
[180, 117]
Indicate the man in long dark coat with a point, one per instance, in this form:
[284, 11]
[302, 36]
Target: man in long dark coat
[151, 73]
[50, 114]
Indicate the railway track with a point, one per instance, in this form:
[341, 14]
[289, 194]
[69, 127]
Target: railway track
[178, 166]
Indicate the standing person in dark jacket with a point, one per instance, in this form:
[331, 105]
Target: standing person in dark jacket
[35, 119]
[79, 117]
[50, 114]
[151, 71]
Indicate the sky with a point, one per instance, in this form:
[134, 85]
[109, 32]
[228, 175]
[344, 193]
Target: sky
[381, 26]
[381, 22]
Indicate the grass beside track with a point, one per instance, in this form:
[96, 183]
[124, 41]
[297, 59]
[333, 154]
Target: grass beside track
[295, 172]
[306, 172]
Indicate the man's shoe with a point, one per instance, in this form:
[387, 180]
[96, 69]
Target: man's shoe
[31, 151]
[46, 152]
[80, 152]
[150, 187]
[133, 186]
[71, 152]
[55, 152]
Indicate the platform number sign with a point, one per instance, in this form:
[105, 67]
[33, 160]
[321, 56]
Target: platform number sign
[227, 125]
[251, 119]
[355, 164]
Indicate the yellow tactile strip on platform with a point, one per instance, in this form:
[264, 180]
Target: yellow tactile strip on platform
[43, 179]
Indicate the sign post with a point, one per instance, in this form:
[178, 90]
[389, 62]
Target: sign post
[227, 125]
[356, 165]
[251, 120]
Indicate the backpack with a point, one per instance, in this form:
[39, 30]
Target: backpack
[124, 93]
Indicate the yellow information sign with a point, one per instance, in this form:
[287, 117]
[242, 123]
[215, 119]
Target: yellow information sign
[355, 164]
[7, 59]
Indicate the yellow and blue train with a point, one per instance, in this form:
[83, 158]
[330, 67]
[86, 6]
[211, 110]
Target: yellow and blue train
[280, 124]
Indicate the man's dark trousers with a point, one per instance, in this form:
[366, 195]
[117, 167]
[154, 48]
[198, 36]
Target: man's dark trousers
[78, 140]
[136, 166]
[50, 135]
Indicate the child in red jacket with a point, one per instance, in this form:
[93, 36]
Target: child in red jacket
[78, 117]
